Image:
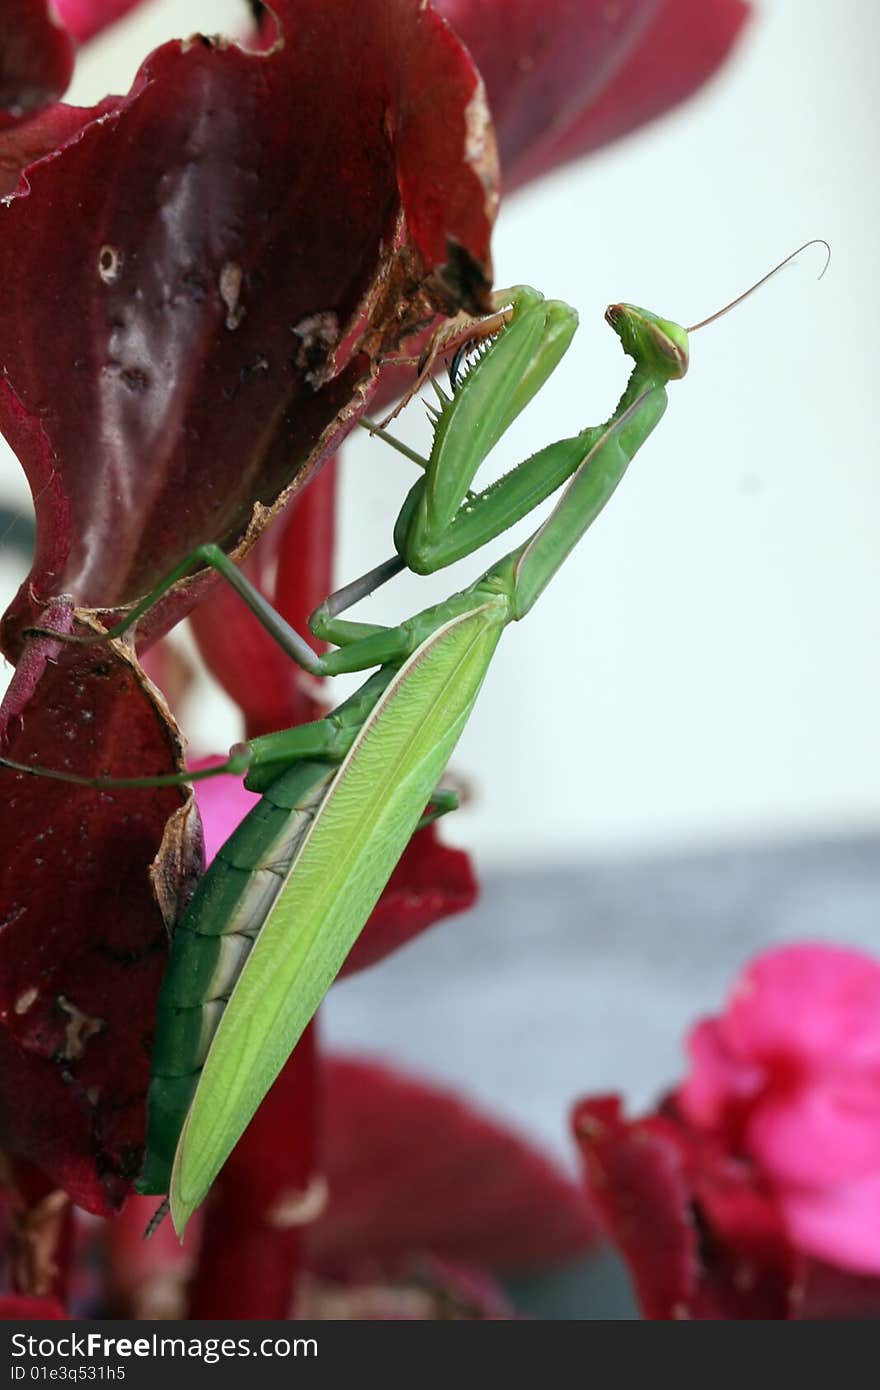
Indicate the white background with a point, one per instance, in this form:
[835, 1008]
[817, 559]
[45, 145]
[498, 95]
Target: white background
[706, 667]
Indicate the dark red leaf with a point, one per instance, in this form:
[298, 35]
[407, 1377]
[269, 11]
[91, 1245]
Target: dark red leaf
[36, 59]
[262, 1202]
[36, 1233]
[826, 1294]
[168, 353]
[22, 145]
[411, 1290]
[564, 82]
[82, 939]
[636, 1181]
[701, 1235]
[431, 881]
[411, 1168]
[17, 1308]
[143, 1278]
[543, 68]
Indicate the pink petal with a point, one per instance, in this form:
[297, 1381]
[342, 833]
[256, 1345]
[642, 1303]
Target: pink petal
[840, 1225]
[223, 803]
[803, 1005]
[828, 1132]
[85, 18]
[716, 1077]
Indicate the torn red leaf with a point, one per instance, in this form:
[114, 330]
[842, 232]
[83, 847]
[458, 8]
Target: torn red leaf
[411, 1168]
[168, 356]
[82, 939]
[36, 59]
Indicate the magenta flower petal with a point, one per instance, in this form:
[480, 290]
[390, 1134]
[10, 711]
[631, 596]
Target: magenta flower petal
[717, 1078]
[839, 1224]
[788, 1079]
[826, 1133]
[807, 1004]
[85, 18]
[223, 803]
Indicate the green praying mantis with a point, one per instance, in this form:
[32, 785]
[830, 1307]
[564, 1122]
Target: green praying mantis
[279, 909]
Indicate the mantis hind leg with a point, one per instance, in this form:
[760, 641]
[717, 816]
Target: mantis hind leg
[369, 647]
[236, 764]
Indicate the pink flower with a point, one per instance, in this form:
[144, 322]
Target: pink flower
[85, 18]
[788, 1077]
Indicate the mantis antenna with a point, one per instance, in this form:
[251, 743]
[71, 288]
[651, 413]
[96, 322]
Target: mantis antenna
[734, 303]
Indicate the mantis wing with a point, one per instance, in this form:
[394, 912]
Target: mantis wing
[359, 832]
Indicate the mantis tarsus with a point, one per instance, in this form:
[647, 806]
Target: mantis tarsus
[281, 906]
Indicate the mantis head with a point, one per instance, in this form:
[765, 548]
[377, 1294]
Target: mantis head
[660, 346]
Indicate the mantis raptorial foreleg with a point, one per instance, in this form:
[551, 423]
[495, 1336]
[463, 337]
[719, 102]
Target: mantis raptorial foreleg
[441, 519]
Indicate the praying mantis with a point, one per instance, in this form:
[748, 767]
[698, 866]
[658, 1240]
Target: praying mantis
[279, 909]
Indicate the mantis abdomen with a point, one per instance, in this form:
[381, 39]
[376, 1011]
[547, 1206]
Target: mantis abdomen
[211, 944]
[342, 860]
